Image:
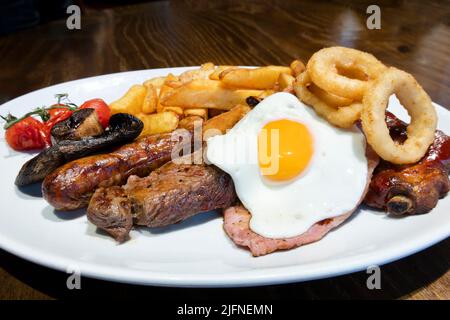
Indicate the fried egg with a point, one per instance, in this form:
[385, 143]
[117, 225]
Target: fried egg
[291, 169]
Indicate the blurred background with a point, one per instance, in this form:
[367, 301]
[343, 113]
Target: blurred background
[120, 35]
[21, 14]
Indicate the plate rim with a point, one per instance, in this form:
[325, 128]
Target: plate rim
[266, 276]
[278, 275]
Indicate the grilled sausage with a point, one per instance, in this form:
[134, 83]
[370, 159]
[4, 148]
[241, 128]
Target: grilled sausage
[71, 186]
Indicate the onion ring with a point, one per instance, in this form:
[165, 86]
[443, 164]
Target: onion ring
[324, 68]
[343, 117]
[329, 98]
[415, 100]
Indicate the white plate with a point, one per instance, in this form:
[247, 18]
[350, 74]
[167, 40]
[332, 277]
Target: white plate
[195, 253]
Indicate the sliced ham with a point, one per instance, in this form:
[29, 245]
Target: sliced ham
[236, 225]
[237, 219]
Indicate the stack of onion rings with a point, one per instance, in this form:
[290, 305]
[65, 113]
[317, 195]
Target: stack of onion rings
[341, 116]
[334, 96]
[324, 66]
[344, 85]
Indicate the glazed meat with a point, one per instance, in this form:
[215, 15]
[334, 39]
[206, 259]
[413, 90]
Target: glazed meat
[237, 219]
[123, 128]
[71, 186]
[170, 194]
[411, 189]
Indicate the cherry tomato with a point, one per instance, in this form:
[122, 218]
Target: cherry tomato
[102, 109]
[28, 134]
[59, 113]
[56, 115]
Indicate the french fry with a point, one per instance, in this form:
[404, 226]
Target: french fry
[226, 120]
[207, 66]
[166, 89]
[265, 94]
[177, 110]
[202, 112]
[131, 102]
[172, 81]
[206, 94]
[226, 71]
[203, 73]
[155, 82]
[214, 112]
[158, 122]
[216, 74]
[285, 81]
[259, 78]
[297, 67]
[189, 122]
[151, 99]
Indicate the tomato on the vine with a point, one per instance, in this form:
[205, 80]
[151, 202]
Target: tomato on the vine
[59, 114]
[102, 109]
[27, 134]
[56, 115]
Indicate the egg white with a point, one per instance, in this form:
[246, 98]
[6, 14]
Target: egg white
[332, 184]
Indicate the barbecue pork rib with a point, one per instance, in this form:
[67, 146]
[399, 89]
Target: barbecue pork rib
[170, 194]
[414, 188]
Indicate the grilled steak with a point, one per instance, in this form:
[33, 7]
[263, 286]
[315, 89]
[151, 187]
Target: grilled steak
[413, 188]
[170, 194]
[71, 186]
[237, 219]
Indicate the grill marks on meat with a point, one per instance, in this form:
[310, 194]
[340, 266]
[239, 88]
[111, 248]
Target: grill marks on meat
[168, 195]
[411, 189]
[237, 219]
[71, 186]
[112, 210]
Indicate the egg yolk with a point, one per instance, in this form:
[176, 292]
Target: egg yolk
[285, 148]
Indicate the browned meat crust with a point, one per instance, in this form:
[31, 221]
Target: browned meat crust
[411, 189]
[170, 194]
[71, 186]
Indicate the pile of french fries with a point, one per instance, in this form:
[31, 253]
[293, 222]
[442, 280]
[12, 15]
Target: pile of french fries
[205, 92]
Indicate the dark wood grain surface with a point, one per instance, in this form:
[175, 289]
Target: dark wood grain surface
[414, 35]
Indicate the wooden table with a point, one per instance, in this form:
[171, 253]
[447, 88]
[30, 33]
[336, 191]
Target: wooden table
[414, 36]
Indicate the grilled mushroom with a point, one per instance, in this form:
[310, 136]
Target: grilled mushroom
[122, 128]
[82, 123]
